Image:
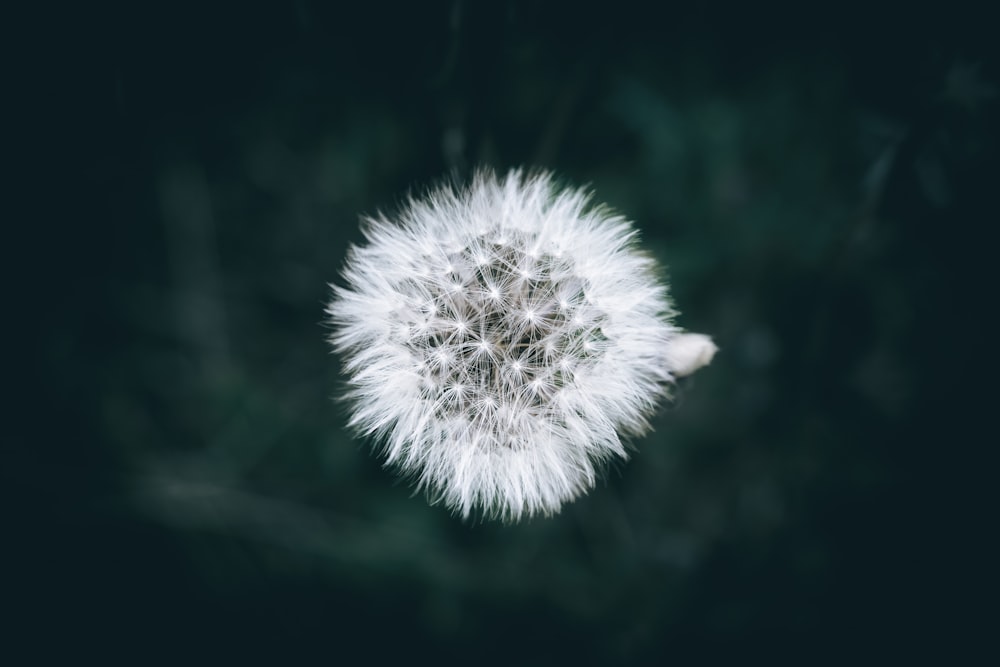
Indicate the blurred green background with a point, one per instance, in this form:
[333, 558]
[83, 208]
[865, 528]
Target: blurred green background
[817, 179]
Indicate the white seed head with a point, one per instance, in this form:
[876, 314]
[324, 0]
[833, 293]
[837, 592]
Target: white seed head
[500, 339]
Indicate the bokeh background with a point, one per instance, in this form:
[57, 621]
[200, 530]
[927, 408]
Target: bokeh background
[819, 181]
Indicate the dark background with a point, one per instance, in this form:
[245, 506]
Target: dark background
[818, 179]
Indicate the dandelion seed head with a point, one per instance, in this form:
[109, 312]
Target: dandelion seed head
[539, 334]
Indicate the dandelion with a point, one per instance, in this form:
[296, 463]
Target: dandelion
[500, 340]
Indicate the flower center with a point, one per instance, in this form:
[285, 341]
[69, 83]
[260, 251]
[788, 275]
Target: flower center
[496, 329]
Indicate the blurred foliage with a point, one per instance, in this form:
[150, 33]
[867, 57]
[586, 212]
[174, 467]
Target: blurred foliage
[816, 185]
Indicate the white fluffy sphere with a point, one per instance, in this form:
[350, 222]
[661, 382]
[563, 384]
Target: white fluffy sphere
[499, 339]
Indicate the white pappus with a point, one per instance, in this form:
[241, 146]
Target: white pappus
[500, 339]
